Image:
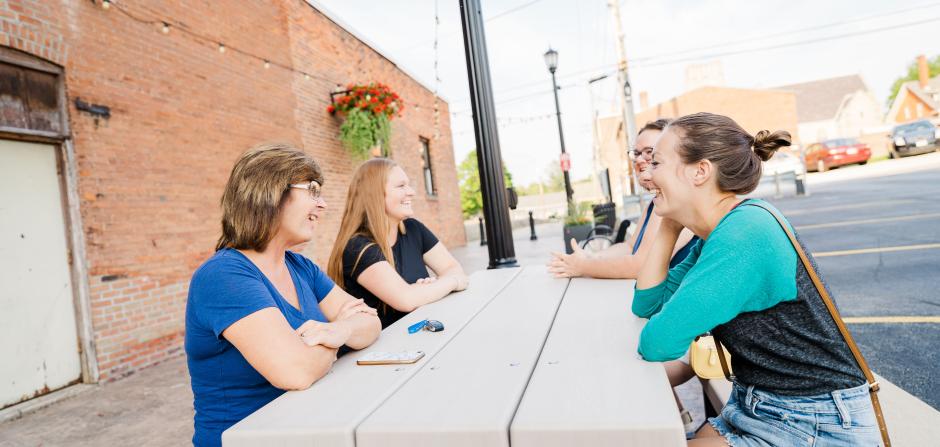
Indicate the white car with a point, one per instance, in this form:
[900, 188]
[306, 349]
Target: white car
[784, 162]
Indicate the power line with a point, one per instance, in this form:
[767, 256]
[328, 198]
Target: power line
[790, 44]
[488, 19]
[641, 61]
[787, 33]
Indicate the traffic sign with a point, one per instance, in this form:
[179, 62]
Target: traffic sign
[565, 162]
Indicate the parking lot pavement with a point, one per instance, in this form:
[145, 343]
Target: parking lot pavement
[877, 241]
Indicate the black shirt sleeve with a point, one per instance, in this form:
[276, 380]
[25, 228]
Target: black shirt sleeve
[360, 253]
[427, 238]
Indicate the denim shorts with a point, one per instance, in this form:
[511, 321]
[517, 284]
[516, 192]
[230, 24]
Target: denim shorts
[758, 418]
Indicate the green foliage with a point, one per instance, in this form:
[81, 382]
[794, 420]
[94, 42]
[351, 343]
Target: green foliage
[362, 130]
[912, 75]
[471, 200]
[554, 178]
[578, 214]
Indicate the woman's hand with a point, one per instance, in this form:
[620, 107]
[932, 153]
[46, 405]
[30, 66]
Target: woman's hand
[353, 307]
[330, 335]
[568, 266]
[461, 282]
[427, 280]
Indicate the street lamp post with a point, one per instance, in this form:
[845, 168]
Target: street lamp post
[492, 188]
[551, 61]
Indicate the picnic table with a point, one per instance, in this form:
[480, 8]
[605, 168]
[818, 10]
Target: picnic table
[524, 360]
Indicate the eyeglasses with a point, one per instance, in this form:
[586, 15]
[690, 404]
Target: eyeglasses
[646, 152]
[313, 188]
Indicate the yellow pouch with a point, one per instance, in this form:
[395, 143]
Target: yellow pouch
[707, 361]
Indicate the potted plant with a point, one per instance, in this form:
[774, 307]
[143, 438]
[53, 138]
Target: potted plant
[577, 223]
[368, 111]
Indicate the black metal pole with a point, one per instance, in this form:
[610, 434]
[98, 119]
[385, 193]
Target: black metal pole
[482, 233]
[561, 136]
[495, 207]
[532, 235]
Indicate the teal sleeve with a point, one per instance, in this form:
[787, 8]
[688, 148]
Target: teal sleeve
[747, 265]
[648, 302]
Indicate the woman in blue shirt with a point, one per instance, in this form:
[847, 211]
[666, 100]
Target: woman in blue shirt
[261, 319]
[796, 381]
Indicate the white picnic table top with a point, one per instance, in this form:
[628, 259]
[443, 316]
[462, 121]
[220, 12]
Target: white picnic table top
[524, 359]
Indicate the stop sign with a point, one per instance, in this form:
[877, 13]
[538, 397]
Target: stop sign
[565, 162]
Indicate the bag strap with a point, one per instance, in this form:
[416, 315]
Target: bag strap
[873, 385]
[723, 360]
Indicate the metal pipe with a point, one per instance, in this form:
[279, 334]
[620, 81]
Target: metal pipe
[561, 136]
[532, 235]
[482, 233]
[489, 161]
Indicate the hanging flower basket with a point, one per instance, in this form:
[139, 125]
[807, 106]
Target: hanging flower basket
[368, 111]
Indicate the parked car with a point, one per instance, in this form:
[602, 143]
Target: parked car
[837, 152]
[783, 162]
[914, 138]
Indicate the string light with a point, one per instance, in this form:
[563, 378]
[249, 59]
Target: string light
[164, 26]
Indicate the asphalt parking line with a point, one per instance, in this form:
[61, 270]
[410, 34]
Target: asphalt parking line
[894, 319]
[867, 221]
[861, 251]
[847, 207]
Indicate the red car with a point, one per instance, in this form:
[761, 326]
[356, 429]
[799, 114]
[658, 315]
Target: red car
[834, 153]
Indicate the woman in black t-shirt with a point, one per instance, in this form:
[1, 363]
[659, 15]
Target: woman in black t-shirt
[382, 254]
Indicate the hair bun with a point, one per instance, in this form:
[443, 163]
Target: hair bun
[766, 143]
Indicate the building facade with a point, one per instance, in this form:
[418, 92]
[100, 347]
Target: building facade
[841, 107]
[753, 109]
[119, 126]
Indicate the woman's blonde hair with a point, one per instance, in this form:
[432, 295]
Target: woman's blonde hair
[256, 189]
[364, 215]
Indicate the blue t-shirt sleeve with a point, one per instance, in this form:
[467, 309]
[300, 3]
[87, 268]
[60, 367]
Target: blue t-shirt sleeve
[321, 284]
[225, 290]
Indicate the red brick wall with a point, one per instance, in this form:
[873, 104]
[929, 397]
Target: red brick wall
[754, 110]
[151, 176]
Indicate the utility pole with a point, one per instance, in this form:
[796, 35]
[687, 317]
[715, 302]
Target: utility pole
[626, 104]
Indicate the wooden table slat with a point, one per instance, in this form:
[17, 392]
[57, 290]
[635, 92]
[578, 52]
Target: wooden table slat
[468, 393]
[328, 412]
[590, 387]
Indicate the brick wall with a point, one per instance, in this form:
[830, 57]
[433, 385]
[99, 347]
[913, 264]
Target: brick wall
[754, 110]
[150, 177]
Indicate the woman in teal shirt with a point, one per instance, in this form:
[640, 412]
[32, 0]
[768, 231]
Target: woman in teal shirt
[796, 381]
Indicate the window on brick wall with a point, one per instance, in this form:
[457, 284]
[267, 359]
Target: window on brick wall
[427, 169]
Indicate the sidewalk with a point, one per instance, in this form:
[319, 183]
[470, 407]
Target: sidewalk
[154, 406]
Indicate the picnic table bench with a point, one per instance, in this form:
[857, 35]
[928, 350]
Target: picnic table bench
[525, 359]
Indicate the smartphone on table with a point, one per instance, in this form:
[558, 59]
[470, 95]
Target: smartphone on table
[390, 358]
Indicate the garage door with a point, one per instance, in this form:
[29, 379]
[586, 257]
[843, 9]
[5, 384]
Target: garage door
[39, 349]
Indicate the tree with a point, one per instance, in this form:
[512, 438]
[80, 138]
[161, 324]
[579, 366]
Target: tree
[471, 200]
[554, 178]
[912, 75]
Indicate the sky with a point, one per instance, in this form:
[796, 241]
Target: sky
[758, 44]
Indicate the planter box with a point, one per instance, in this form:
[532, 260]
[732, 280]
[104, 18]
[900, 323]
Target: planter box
[576, 232]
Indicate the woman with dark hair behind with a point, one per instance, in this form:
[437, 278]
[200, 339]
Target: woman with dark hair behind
[261, 319]
[796, 381]
[623, 260]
